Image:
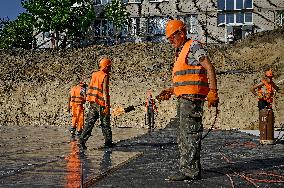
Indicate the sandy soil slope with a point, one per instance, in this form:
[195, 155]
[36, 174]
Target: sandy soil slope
[34, 85]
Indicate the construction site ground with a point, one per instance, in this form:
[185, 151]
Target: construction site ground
[140, 158]
[35, 150]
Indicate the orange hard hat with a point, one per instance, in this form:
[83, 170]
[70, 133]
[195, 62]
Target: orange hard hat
[173, 26]
[269, 73]
[105, 62]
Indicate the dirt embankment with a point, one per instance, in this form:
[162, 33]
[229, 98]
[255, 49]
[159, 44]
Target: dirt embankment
[34, 85]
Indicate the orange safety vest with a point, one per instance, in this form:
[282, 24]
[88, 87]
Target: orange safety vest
[266, 92]
[76, 97]
[150, 103]
[95, 90]
[188, 79]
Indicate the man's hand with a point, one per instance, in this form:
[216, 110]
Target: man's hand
[213, 98]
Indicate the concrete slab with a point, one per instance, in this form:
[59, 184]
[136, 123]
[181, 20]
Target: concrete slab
[30, 158]
[229, 159]
[43, 157]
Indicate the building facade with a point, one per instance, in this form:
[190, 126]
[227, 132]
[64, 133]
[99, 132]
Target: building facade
[209, 21]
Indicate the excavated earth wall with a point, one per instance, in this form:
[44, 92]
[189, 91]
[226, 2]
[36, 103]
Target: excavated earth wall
[34, 86]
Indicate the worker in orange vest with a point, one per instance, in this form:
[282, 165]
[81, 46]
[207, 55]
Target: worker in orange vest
[150, 108]
[99, 104]
[76, 100]
[194, 78]
[265, 91]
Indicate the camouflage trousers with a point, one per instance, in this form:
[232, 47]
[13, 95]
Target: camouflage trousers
[189, 135]
[95, 112]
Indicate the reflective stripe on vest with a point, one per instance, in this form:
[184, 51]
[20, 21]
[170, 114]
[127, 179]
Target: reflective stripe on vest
[76, 97]
[95, 90]
[149, 102]
[266, 92]
[188, 79]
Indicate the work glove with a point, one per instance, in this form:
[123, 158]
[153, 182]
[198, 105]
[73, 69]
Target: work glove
[165, 94]
[212, 98]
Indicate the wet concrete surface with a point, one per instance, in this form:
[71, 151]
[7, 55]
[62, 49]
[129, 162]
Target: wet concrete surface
[44, 157]
[229, 159]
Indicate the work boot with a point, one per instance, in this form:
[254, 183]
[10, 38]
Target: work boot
[182, 177]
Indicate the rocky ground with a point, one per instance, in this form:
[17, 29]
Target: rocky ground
[34, 85]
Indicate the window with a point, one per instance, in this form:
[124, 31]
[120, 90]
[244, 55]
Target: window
[154, 1]
[230, 18]
[248, 17]
[134, 1]
[280, 18]
[248, 4]
[46, 35]
[157, 25]
[221, 19]
[230, 4]
[221, 4]
[135, 26]
[124, 30]
[193, 24]
[234, 18]
[234, 4]
[239, 17]
[101, 2]
[103, 28]
[239, 5]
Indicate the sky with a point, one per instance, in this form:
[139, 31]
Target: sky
[10, 9]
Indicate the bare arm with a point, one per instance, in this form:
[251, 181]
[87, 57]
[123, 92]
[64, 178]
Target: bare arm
[275, 86]
[206, 63]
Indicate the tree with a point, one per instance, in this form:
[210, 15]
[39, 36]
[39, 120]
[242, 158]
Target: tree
[3, 22]
[61, 16]
[116, 13]
[17, 33]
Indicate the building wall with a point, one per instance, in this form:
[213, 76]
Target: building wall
[264, 15]
[184, 10]
[200, 16]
